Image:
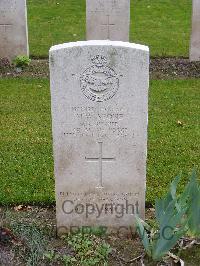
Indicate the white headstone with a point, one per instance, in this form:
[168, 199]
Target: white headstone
[99, 93]
[195, 36]
[13, 28]
[108, 20]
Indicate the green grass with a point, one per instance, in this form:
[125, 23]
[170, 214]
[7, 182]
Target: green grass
[172, 148]
[164, 25]
[26, 142]
[34, 240]
[51, 23]
[26, 145]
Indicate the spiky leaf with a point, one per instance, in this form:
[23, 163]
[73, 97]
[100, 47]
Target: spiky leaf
[143, 235]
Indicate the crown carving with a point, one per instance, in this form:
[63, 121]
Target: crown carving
[99, 60]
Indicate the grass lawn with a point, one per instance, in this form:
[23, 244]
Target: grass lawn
[26, 143]
[164, 25]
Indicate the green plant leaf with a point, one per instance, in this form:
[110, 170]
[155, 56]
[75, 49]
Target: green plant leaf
[186, 195]
[190, 199]
[161, 205]
[169, 234]
[162, 246]
[194, 210]
[168, 217]
[173, 186]
[167, 213]
[143, 235]
[174, 216]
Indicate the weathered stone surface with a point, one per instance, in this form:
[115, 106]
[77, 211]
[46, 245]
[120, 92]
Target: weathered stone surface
[13, 28]
[99, 93]
[108, 20]
[195, 35]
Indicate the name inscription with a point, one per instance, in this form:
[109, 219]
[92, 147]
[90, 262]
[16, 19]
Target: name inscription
[99, 122]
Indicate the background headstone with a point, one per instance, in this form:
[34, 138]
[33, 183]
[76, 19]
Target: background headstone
[13, 28]
[195, 35]
[99, 93]
[108, 20]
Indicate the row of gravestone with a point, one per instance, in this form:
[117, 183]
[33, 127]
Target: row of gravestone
[106, 19]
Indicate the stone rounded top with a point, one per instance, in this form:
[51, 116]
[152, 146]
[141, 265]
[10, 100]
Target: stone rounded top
[100, 43]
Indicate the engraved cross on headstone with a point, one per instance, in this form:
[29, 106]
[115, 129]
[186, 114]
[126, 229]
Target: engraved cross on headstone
[5, 25]
[100, 160]
[108, 20]
[108, 24]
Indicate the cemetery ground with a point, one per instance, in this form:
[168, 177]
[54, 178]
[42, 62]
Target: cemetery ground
[27, 180]
[27, 211]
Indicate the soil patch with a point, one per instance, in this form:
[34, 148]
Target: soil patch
[26, 225]
[174, 68]
[160, 68]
